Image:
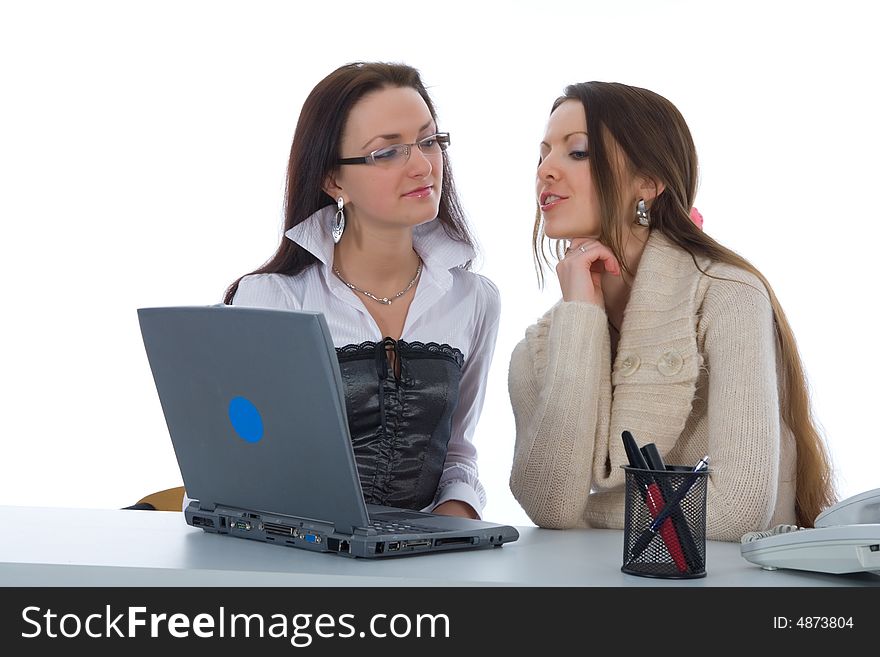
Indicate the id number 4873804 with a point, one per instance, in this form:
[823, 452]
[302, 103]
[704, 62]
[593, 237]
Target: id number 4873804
[813, 623]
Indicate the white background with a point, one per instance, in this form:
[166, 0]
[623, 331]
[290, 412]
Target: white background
[143, 148]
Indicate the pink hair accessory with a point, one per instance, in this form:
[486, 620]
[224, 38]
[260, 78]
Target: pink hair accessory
[697, 218]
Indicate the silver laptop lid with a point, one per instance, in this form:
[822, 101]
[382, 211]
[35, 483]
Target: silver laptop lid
[254, 404]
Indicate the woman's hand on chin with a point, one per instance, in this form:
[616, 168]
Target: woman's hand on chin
[580, 271]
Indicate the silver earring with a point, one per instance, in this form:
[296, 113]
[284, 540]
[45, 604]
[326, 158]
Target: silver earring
[642, 216]
[339, 223]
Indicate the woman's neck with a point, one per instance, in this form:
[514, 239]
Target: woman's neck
[616, 289]
[373, 258]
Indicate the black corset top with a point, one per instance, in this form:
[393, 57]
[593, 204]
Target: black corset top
[400, 421]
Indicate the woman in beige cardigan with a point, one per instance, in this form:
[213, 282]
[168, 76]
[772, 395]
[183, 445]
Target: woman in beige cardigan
[660, 331]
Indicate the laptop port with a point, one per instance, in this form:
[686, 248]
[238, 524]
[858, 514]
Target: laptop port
[279, 529]
[337, 545]
[201, 521]
[393, 545]
[380, 548]
[454, 540]
[417, 543]
[242, 524]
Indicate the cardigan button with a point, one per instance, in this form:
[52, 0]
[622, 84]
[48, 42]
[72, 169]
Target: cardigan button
[629, 365]
[670, 363]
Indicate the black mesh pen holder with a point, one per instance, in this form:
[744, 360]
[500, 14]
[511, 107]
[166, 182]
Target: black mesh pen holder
[664, 531]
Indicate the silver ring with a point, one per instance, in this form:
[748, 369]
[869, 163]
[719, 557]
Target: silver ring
[582, 249]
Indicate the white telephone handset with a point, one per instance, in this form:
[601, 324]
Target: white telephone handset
[846, 539]
[861, 509]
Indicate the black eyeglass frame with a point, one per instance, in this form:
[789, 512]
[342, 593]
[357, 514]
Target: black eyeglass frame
[442, 139]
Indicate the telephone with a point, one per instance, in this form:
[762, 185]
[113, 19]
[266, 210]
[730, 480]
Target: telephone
[845, 539]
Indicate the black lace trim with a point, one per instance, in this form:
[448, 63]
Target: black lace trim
[406, 349]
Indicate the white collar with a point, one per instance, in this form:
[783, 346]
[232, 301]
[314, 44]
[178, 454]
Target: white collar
[438, 251]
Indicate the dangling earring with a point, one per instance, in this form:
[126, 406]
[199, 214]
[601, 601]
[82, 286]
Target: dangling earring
[642, 216]
[339, 223]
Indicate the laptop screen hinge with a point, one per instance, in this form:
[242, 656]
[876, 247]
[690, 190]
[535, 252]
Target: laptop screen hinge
[207, 506]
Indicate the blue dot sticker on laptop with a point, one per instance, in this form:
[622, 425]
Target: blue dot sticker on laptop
[245, 419]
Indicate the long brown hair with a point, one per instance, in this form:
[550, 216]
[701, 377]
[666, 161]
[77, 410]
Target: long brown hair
[315, 151]
[657, 143]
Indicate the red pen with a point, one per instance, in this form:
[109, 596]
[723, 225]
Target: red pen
[667, 531]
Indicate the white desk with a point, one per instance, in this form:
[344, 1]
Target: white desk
[42, 546]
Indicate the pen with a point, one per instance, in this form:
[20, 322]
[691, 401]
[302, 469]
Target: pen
[636, 460]
[679, 495]
[682, 529]
[654, 500]
[648, 534]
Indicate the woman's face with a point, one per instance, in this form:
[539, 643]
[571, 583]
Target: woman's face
[398, 194]
[564, 184]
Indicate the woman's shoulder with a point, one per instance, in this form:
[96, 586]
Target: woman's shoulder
[728, 280]
[731, 292]
[269, 290]
[266, 281]
[481, 287]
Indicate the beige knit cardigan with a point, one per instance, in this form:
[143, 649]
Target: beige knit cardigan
[695, 373]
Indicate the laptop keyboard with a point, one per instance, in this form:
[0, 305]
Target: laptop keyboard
[387, 527]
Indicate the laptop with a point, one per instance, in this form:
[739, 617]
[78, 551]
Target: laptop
[253, 400]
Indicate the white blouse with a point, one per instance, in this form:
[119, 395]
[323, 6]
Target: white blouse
[451, 306]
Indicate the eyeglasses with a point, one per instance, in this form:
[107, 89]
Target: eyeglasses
[397, 155]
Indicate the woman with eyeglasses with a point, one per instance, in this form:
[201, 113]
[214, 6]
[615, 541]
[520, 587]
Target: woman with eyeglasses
[375, 239]
[661, 331]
